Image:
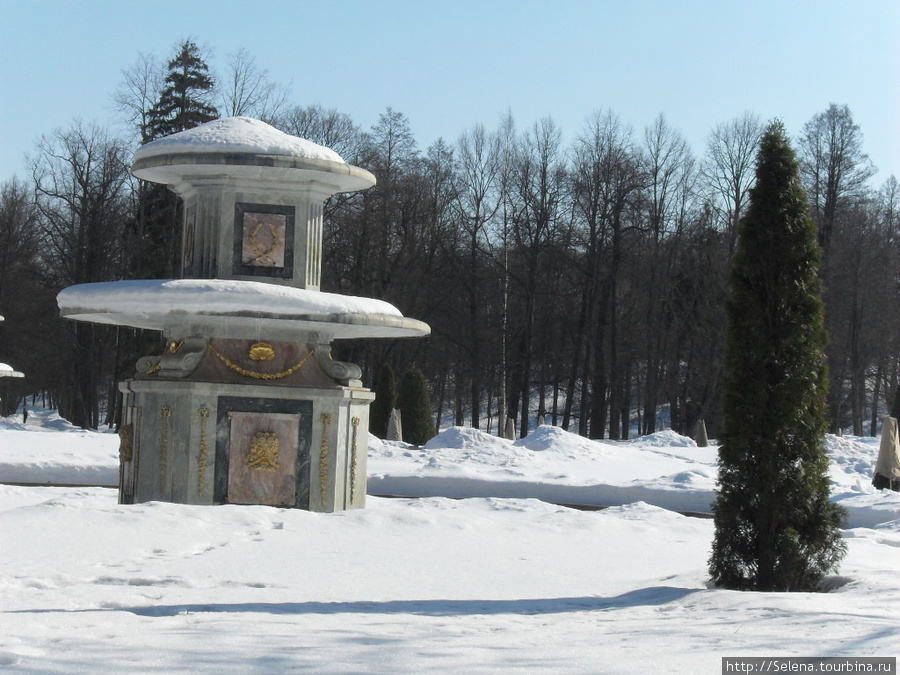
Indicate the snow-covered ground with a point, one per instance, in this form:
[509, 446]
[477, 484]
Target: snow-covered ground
[502, 580]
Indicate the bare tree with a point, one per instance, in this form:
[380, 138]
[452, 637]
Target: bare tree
[539, 185]
[81, 179]
[19, 236]
[246, 89]
[508, 154]
[670, 174]
[834, 167]
[835, 172]
[327, 127]
[24, 302]
[670, 169]
[888, 368]
[390, 152]
[606, 174]
[138, 92]
[729, 167]
[478, 202]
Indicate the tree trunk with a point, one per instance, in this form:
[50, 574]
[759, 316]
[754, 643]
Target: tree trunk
[876, 393]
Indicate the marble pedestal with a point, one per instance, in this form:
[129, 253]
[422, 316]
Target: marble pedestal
[292, 444]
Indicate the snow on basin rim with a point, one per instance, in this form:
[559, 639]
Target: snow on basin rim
[235, 135]
[212, 296]
[7, 370]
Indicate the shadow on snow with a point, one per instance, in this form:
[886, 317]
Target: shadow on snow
[656, 595]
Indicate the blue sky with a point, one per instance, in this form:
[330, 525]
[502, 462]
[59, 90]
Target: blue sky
[449, 65]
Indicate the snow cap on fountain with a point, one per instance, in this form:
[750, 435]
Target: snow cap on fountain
[249, 148]
[236, 135]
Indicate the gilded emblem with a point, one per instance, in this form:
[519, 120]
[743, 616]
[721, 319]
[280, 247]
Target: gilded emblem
[262, 351]
[264, 239]
[264, 452]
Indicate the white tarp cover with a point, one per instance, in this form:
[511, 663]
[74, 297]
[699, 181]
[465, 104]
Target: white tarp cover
[888, 464]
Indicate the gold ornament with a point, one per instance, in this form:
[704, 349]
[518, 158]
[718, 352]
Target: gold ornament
[264, 451]
[262, 351]
[258, 376]
[323, 458]
[172, 347]
[165, 412]
[264, 256]
[201, 460]
[355, 421]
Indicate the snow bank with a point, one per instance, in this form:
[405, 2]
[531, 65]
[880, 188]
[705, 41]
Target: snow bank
[665, 439]
[465, 438]
[48, 449]
[549, 464]
[548, 438]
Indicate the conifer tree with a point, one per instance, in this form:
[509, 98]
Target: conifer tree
[415, 408]
[776, 529]
[184, 103]
[385, 400]
[186, 99]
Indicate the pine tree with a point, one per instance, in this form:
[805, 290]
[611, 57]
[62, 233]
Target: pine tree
[184, 103]
[385, 400]
[776, 529]
[415, 408]
[186, 98]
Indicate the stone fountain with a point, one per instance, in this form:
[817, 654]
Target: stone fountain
[7, 370]
[245, 404]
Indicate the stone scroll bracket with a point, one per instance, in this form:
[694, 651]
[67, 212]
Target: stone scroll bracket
[347, 374]
[179, 359]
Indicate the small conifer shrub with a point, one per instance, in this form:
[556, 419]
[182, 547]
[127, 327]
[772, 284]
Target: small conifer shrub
[415, 408]
[385, 400]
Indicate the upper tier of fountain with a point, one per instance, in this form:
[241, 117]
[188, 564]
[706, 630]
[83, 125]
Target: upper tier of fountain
[251, 243]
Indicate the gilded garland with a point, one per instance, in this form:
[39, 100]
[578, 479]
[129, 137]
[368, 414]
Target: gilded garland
[201, 460]
[259, 352]
[355, 421]
[165, 413]
[323, 458]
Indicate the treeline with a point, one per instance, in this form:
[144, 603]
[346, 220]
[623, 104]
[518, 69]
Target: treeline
[582, 282]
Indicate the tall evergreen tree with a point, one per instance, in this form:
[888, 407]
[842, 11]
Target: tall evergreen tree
[186, 98]
[385, 399]
[776, 529]
[415, 408]
[184, 103]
